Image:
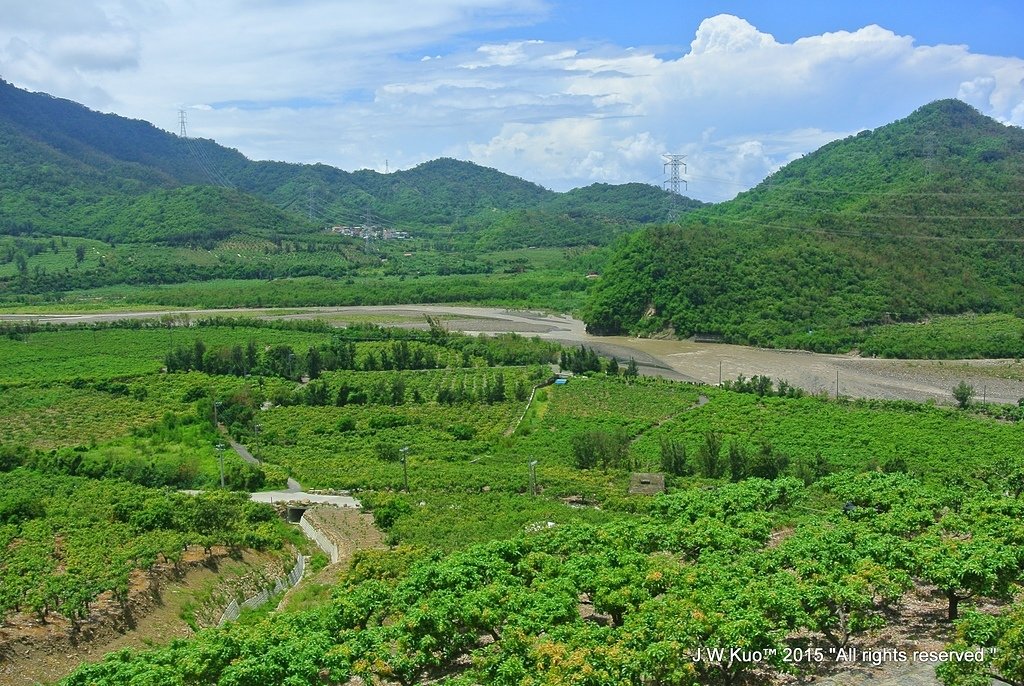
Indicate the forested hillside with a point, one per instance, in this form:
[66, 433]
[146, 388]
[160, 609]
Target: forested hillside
[918, 217]
[71, 171]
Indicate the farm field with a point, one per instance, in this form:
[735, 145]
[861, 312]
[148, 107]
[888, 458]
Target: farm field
[495, 489]
[995, 380]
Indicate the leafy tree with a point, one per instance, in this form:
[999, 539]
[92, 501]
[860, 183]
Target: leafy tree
[673, 457]
[313, 363]
[768, 463]
[841, 579]
[738, 461]
[1000, 637]
[963, 393]
[388, 452]
[600, 448]
[709, 456]
[963, 564]
[317, 393]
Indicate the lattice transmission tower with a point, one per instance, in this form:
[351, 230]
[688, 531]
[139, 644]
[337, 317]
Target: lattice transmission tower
[672, 164]
[196, 150]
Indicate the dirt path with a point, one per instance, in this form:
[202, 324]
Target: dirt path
[682, 360]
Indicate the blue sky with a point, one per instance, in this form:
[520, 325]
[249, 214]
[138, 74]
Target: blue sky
[989, 27]
[564, 93]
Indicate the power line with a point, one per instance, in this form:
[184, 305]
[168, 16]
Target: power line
[846, 214]
[215, 177]
[867, 234]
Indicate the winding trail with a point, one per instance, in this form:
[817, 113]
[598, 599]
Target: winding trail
[243, 452]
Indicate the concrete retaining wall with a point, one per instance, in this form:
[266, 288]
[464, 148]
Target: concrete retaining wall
[233, 610]
[325, 544]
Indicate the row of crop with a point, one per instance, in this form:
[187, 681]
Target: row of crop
[105, 353]
[934, 442]
[349, 447]
[68, 539]
[696, 571]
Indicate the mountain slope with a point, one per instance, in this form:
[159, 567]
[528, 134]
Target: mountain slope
[62, 156]
[918, 217]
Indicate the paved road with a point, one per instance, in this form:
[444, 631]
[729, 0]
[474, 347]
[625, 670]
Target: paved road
[294, 497]
[243, 452]
[705, 362]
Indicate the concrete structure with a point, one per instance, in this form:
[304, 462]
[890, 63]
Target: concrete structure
[643, 483]
[299, 498]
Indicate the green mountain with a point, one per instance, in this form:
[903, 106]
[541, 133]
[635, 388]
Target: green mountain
[915, 218]
[71, 171]
[74, 172]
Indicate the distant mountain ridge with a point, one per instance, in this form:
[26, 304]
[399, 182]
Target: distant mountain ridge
[62, 161]
[918, 217]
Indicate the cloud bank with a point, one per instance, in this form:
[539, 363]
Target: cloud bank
[358, 86]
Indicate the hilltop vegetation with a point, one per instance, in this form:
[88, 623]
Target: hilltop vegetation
[912, 219]
[74, 172]
[92, 202]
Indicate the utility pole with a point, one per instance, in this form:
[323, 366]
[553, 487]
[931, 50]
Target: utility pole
[182, 118]
[368, 221]
[405, 467]
[671, 167]
[533, 478]
[220, 461]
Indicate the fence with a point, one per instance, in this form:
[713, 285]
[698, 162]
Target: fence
[319, 538]
[233, 610]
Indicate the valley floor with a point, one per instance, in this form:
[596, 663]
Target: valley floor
[999, 381]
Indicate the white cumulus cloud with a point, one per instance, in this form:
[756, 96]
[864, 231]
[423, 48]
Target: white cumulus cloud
[354, 84]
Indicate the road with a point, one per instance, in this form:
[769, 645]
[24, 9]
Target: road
[243, 452]
[683, 360]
